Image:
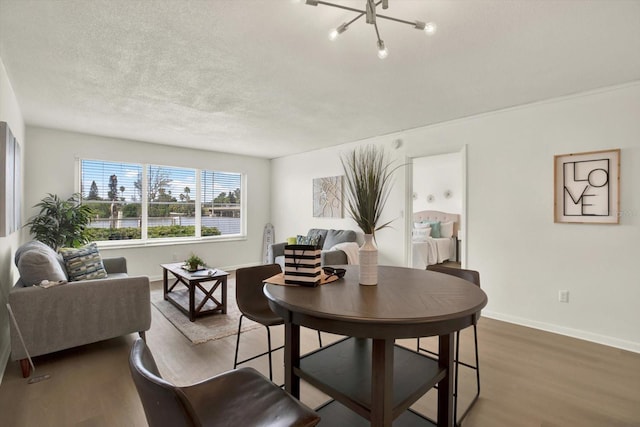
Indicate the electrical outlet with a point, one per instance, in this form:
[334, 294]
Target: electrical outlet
[563, 296]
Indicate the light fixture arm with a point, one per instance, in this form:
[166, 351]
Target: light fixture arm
[354, 19]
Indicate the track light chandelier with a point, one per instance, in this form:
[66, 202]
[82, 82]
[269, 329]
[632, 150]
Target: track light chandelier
[371, 15]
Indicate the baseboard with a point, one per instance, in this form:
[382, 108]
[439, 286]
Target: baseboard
[570, 332]
[228, 269]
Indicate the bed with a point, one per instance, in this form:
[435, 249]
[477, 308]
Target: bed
[427, 247]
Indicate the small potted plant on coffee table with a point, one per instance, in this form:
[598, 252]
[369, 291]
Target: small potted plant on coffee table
[193, 263]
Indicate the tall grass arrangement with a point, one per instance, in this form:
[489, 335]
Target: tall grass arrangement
[368, 175]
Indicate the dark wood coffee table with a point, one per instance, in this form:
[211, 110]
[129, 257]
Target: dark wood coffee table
[197, 298]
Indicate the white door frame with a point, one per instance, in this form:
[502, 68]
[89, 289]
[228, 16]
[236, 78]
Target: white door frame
[462, 233]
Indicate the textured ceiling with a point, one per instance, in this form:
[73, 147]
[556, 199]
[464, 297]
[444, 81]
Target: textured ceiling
[261, 77]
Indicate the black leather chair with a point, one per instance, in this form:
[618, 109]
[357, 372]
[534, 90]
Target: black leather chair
[254, 305]
[473, 277]
[242, 397]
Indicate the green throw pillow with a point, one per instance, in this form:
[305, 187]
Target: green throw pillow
[435, 229]
[83, 263]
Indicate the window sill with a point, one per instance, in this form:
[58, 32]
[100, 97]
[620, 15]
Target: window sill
[127, 244]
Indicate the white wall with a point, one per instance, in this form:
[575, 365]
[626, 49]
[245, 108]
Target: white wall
[524, 257]
[10, 113]
[292, 198]
[51, 168]
[434, 175]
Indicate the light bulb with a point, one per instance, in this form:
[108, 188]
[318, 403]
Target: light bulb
[430, 28]
[382, 50]
[333, 34]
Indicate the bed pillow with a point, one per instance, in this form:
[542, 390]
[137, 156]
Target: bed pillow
[83, 263]
[421, 225]
[421, 234]
[446, 229]
[435, 229]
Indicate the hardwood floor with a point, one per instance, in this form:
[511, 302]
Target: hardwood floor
[529, 378]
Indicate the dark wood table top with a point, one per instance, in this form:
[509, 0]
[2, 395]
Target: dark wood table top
[406, 303]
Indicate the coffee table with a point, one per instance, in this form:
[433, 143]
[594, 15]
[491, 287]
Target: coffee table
[197, 297]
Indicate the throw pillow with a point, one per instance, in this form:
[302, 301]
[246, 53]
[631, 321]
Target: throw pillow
[83, 263]
[319, 233]
[446, 229]
[308, 240]
[34, 244]
[421, 234]
[38, 264]
[435, 229]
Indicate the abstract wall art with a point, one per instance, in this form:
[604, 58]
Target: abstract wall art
[327, 197]
[10, 182]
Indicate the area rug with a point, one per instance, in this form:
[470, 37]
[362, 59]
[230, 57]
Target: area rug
[206, 328]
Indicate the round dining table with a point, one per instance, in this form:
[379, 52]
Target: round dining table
[372, 380]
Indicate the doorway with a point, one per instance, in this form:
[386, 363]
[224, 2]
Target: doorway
[438, 183]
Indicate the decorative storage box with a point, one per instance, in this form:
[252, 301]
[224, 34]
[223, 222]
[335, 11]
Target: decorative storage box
[302, 265]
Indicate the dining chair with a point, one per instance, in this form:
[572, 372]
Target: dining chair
[473, 277]
[241, 397]
[253, 304]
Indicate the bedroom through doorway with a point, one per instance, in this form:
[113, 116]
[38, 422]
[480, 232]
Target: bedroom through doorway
[438, 207]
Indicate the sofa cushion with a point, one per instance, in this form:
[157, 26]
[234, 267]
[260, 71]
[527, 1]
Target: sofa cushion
[83, 263]
[37, 263]
[338, 236]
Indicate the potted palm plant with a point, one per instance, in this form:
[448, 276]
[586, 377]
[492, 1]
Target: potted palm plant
[61, 223]
[368, 174]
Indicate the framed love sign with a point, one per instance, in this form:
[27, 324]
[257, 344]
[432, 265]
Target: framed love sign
[587, 187]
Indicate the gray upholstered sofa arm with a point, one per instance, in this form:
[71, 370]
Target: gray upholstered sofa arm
[78, 313]
[275, 250]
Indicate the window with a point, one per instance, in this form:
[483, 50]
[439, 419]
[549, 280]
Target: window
[172, 211]
[151, 202]
[220, 202]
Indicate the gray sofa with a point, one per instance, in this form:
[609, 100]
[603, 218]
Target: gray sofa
[76, 313]
[328, 239]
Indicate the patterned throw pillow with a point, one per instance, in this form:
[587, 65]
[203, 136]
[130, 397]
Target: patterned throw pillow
[83, 263]
[308, 240]
[421, 234]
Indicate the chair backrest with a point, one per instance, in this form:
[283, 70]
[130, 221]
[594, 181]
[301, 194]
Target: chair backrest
[249, 284]
[468, 275]
[164, 404]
